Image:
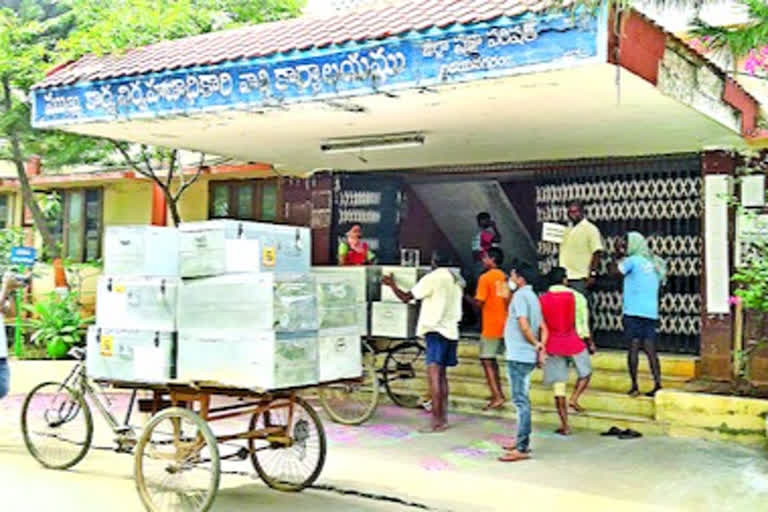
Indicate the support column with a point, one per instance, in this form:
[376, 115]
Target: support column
[716, 328]
[159, 206]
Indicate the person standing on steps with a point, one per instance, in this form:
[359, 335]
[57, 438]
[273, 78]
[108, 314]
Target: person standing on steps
[580, 251]
[440, 293]
[492, 299]
[523, 350]
[566, 338]
[485, 239]
[644, 273]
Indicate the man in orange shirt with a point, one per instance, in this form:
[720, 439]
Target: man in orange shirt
[492, 297]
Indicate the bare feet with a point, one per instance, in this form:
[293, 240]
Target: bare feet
[514, 456]
[495, 404]
[576, 407]
[563, 431]
[434, 429]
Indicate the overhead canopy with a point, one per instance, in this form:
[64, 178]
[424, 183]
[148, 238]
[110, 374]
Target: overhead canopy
[417, 84]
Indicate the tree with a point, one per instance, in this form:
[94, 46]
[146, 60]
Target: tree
[111, 27]
[28, 33]
[151, 162]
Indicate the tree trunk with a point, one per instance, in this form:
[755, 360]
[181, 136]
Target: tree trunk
[173, 205]
[26, 189]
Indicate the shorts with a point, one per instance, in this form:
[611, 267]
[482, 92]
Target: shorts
[491, 347]
[639, 328]
[440, 350]
[556, 367]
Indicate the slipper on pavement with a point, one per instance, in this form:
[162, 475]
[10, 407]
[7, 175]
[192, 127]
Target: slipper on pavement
[630, 434]
[613, 431]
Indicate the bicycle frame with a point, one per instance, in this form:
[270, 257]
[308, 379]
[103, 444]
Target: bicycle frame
[79, 383]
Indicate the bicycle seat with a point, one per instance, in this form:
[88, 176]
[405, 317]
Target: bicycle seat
[77, 353]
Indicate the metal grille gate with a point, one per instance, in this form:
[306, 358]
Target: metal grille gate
[659, 197]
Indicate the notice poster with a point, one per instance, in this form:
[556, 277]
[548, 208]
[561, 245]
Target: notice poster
[751, 233]
[753, 191]
[553, 232]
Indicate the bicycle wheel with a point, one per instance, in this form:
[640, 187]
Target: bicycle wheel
[177, 464]
[57, 425]
[292, 457]
[399, 368]
[353, 402]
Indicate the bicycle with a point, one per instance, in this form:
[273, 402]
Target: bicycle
[66, 431]
[177, 461]
[353, 402]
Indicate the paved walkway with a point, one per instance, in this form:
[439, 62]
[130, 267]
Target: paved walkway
[456, 470]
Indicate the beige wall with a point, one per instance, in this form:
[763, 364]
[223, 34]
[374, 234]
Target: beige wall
[194, 203]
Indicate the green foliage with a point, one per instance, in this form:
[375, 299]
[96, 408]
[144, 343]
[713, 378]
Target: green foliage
[57, 317]
[123, 24]
[9, 237]
[740, 40]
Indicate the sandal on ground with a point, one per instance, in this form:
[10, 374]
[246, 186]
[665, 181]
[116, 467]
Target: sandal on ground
[630, 434]
[652, 393]
[613, 431]
[563, 431]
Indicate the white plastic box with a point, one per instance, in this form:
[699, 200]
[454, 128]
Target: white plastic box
[337, 300]
[367, 279]
[130, 355]
[283, 248]
[393, 319]
[147, 303]
[339, 354]
[249, 359]
[405, 278]
[266, 301]
[141, 250]
[202, 252]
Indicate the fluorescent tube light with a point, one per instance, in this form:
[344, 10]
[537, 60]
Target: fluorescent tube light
[373, 143]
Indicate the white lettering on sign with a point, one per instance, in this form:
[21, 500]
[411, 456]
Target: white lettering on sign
[359, 216]
[469, 45]
[349, 198]
[62, 105]
[144, 93]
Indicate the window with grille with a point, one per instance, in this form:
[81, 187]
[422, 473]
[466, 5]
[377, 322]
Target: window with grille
[244, 200]
[77, 223]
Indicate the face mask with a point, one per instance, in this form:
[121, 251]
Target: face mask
[512, 284]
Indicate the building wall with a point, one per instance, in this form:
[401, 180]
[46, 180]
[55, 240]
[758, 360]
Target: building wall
[193, 205]
[127, 202]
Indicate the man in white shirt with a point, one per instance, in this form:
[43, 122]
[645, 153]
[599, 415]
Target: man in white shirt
[440, 293]
[9, 285]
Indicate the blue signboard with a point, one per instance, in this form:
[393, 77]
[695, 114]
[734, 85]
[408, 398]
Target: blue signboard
[502, 47]
[23, 255]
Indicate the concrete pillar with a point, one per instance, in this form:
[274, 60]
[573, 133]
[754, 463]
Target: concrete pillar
[716, 330]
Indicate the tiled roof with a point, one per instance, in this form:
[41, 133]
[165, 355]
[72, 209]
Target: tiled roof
[302, 33]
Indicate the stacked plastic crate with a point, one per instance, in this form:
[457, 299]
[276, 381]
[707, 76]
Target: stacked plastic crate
[243, 301]
[135, 335]
[390, 317]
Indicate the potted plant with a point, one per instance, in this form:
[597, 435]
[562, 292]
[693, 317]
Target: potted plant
[57, 323]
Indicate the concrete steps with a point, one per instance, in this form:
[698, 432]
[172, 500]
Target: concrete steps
[602, 380]
[541, 396]
[605, 401]
[672, 365]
